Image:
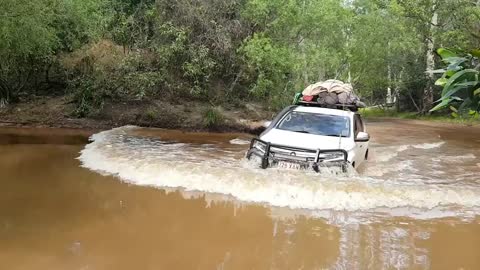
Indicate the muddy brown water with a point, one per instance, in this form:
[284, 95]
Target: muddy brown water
[154, 199]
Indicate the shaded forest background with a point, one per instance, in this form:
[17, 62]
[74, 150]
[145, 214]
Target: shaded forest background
[227, 51]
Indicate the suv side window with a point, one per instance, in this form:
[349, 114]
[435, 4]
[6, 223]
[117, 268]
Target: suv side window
[358, 125]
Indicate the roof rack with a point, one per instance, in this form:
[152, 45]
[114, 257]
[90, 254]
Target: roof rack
[338, 106]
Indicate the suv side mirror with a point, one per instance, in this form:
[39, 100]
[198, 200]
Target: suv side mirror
[266, 124]
[362, 137]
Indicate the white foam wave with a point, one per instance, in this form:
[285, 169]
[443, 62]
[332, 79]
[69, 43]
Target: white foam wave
[196, 168]
[459, 158]
[387, 153]
[239, 141]
[428, 145]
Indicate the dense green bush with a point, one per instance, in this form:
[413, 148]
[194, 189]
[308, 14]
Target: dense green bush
[269, 63]
[227, 50]
[103, 71]
[34, 32]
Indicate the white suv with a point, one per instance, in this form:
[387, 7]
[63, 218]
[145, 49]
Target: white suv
[311, 137]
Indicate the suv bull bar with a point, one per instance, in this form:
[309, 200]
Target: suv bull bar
[269, 155]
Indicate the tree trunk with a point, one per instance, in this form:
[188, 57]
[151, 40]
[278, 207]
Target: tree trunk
[3, 103]
[428, 91]
[4, 95]
[389, 99]
[398, 82]
[234, 83]
[304, 55]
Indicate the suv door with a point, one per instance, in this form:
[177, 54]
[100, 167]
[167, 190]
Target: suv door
[361, 148]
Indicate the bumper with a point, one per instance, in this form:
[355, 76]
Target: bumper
[272, 154]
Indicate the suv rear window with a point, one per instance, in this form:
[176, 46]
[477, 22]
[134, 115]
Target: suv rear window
[314, 123]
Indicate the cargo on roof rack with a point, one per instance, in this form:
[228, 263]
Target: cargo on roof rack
[333, 94]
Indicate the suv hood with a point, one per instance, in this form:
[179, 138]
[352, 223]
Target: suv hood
[305, 140]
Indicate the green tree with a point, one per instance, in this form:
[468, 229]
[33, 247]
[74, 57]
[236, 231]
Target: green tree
[33, 32]
[446, 22]
[27, 38]
[381, 45]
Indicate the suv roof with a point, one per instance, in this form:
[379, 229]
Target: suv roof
[310, 109]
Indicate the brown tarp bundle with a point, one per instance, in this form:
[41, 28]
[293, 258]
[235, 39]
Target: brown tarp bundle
[331, 92]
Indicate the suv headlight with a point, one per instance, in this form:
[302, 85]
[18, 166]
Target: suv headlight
[332, 156]
[260, 146]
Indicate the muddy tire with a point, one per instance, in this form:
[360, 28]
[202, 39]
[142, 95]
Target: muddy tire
[344, 168]
[264, 163]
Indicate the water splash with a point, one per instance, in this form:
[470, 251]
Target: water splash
[240, 141]
[428, 145]
[213, 169]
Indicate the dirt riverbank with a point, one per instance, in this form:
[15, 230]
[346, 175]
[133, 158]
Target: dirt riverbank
[57, 112]
[189, 115]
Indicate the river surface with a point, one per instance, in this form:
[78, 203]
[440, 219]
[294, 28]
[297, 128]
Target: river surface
[138, 198]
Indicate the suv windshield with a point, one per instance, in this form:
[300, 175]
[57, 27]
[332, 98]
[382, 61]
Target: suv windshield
[314, 123]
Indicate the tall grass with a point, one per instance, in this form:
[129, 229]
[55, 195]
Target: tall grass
[213, 118]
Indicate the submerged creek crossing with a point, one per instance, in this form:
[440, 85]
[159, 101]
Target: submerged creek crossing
[140, 198]
[428, 174]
